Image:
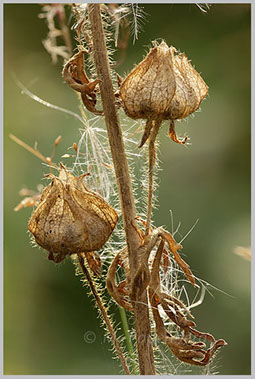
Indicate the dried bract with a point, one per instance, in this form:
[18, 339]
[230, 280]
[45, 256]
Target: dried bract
[71, 219]
[184, 348]
[164, 86]
[182, 345]
[76, 77]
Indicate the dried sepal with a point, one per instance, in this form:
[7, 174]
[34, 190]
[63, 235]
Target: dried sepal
[148, 275]
[141, 280]
[119, 291]
[174, 247]
[71, 219]
[158, 235]
[163, 86]
[185, 349]
[76, 77]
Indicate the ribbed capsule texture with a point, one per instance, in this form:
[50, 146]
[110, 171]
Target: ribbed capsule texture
[71, 219]
[163, 85]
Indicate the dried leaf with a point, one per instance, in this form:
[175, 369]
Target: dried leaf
[76, 77]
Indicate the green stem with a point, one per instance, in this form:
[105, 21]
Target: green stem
[129, 344]
[103, 311]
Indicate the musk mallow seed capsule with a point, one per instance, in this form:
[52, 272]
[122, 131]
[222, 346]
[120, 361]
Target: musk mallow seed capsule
[163, 86]
[71, 219]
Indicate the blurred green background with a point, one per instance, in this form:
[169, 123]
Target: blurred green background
[46, 310]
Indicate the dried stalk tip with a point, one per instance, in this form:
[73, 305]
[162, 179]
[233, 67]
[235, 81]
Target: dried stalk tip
[163, 86]
[71, 219]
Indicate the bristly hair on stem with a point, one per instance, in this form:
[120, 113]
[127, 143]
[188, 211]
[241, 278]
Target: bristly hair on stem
[98, 29]
[141, 314]
[103, 312]
[152, 161]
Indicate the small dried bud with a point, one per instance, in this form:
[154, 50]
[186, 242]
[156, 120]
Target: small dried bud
[163, 85]
[57, 140]
[71, 219]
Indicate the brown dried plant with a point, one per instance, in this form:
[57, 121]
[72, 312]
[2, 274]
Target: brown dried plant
[164, 86]
[148, 275]
[75, 76]
[55, 14]
[69, 219]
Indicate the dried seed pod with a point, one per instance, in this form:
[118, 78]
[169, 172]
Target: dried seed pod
[71, 219]
[164, 86]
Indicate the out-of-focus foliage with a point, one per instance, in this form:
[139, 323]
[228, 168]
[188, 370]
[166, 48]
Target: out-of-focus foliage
[47, 312]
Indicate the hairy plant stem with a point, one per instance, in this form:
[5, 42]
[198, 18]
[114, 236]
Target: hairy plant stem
[103, 311]
[140, 304]
[129, 344]
[152, 160]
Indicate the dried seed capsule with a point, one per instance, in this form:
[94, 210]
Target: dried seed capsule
[71, 219]
[163, 86]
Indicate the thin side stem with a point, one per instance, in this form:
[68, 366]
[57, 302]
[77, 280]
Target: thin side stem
[140, 305]
[103, 313]
[152, 160]
[129, 344]
[33, 151]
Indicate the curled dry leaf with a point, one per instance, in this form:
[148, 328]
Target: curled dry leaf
[182, 345]
[76, 77]
[71, 219]
[164, 86]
